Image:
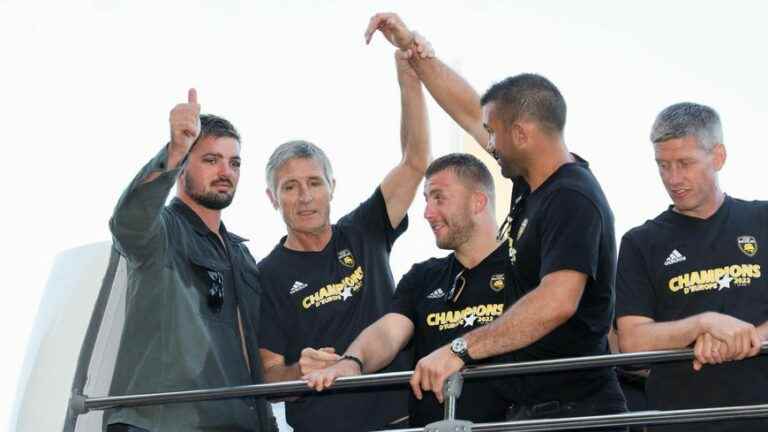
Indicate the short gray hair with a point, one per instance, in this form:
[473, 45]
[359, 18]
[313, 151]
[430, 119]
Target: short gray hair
[292, 150]
[688, 119]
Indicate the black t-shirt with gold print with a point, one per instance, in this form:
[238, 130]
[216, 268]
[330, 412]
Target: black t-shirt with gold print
[423, 295]
[325, 299]
[676, 266]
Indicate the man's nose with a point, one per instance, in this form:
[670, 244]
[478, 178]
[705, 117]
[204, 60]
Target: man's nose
[305, 194]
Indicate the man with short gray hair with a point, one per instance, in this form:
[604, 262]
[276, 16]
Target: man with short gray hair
[324, 283]
[693, 276]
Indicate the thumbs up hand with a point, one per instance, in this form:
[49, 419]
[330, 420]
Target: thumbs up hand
[185, 124]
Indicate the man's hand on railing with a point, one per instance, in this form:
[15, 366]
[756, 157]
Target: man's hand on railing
[432, 371]
[316, 359]
[323, 379]
[725, 338]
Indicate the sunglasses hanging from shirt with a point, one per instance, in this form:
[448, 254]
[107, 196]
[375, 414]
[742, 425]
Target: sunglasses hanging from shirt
[457, 288]
[515, 210]
[215, 291]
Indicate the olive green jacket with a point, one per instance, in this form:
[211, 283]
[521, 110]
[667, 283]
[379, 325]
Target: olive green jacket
[172, 339]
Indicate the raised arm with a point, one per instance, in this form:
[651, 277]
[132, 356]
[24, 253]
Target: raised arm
[449, 89]
[136, 223]
[399, 186]
[375, 347]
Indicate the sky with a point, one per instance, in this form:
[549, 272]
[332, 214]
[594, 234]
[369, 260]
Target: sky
[86, 88]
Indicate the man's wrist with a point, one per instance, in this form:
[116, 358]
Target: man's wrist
[460, 348]
[353, 359]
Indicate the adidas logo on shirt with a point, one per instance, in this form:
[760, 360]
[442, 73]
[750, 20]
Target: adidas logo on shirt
[438, 293]
[674, 258]
[297, 286]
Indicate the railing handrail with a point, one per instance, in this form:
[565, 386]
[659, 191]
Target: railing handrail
[625, 419]
[81, 404]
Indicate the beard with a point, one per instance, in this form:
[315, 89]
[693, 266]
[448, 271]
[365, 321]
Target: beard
[508, 169]
[209, 199]
[460, 231]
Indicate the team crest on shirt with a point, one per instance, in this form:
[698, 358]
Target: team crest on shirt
[748, 245]
[346, 258]
[522, 228]
[497, 282]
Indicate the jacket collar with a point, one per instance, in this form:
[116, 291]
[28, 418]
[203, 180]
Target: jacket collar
[199, 226]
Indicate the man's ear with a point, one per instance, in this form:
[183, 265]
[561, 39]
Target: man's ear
[333, 189]
[519, 133]
[479, 202]
[720, 155]
[272, 199]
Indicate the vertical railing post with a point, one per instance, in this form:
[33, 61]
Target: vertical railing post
[451, 392]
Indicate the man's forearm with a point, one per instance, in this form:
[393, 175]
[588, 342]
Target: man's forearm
[136, 220]
[454, 94]
[652, 335]
[532, 317]
[414, 126]
[379, 343]
[279, 373]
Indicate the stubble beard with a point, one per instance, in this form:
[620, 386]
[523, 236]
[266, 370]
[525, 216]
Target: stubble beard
[211, 200]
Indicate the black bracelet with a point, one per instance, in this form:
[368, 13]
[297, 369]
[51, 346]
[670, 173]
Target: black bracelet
[354, 359]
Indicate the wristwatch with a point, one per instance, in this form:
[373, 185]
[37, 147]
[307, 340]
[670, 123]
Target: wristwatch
[459, 347]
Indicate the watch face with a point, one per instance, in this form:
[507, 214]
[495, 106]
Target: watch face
[458, 345]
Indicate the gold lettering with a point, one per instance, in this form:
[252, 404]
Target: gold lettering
[675, 284]
[695, 278]
[707, 276]
[735, 271]
[720, 272]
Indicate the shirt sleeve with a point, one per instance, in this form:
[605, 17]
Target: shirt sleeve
[571, 232]
[272, 318]
[634, 290]
[371, 215]
[137, 223]
[404, 298]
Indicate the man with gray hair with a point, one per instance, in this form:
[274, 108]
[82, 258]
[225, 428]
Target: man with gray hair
[693, 276]
[324, 283]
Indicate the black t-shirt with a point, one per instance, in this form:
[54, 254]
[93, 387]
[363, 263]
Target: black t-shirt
[566, 224]
[422, 296]
[326, 298]
[676, 266]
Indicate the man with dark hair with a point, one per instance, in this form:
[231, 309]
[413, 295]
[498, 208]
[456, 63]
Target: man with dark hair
[441, 299]
[560, 236]
[193, 294]
[694, 276]
[324, 283]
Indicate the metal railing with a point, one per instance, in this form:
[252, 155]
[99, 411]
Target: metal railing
[80, 404]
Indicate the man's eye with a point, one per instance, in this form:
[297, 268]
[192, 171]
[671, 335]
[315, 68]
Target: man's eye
[236, 164]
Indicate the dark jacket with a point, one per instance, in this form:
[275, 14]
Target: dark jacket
[173, 338]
